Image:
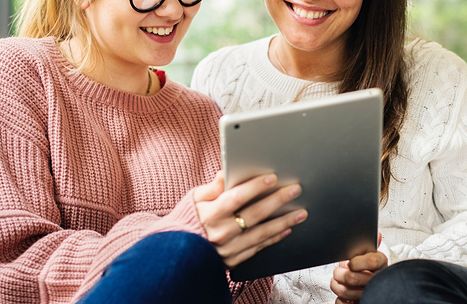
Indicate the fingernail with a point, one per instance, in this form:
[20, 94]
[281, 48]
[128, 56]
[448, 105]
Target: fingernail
[286, 233]
[295, 191]
[270, 179]
[301, 217]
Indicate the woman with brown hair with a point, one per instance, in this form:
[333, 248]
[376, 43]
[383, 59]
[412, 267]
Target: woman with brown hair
[325, 47]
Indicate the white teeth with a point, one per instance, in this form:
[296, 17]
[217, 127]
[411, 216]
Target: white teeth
[160, 31]
[309, 14]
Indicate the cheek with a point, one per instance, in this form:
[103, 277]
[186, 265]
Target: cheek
[278, 12]
[115, 24]
[273, 6]
[188, 15]
[351, 7]
[347, 14]
[348, 3]
[191, 12]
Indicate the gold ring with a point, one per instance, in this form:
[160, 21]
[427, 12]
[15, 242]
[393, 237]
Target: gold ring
[241, 222]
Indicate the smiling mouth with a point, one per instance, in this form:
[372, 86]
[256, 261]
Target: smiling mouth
[308, 13]
[159, 31]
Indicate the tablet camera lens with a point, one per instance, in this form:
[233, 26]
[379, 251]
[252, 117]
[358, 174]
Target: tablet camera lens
[237, 126]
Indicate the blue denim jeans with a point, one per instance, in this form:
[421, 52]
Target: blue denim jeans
[418, 281]
[168, 267]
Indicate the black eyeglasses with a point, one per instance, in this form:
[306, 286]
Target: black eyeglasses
[145, 6]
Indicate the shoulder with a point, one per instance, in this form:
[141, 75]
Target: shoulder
[436, 74]
[430, 62]
[23, 51]
[23, 79]
[226, 74]
[232, 55]
[437, 81]
[25, 62]
[24, 67]
[225, 63]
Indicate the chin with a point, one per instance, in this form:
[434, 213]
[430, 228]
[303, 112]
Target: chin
[303, 43]
[163, 59]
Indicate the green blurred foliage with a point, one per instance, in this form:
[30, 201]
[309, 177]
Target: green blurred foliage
[228, 22]
[443, 21]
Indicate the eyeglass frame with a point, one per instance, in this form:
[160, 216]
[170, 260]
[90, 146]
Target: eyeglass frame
[157, 5]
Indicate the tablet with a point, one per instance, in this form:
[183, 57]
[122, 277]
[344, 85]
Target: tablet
[332, 148]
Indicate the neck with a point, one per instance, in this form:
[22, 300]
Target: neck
[114, 72]
[316, 65]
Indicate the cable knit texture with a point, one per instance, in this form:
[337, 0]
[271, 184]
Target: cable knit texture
[86, 171]
[426, 215]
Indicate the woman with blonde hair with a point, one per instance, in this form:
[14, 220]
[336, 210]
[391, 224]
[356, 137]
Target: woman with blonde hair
[326, 47]
[101, 159]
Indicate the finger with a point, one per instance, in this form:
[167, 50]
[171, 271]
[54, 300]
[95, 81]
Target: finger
[235, 198]
[234, 260]
[345, 293]
[263, 209]
[352, 279]
[210, 191]
[372, 261]
[259, 234]
[221, 231]
[380, 238]
[344, 264]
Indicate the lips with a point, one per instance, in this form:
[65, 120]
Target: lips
[308, 13]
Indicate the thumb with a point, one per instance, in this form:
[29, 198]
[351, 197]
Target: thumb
[380, 238]
[211, 191]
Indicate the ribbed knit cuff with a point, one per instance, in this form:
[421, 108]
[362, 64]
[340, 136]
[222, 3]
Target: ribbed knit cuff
[184, 217]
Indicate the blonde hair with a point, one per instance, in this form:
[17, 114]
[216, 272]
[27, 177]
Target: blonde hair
[62, 19]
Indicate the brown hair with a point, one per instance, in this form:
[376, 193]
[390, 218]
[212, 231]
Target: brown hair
[375, 51]
[63, 19]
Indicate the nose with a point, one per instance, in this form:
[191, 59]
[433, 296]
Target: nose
[171, 9]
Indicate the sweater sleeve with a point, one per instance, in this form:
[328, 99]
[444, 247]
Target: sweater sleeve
[448, 169]
[40, 262]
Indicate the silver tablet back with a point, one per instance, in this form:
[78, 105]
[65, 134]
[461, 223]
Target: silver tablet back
[332, 148]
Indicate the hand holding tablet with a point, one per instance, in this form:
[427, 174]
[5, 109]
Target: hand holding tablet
[238, 235]
[331, 147]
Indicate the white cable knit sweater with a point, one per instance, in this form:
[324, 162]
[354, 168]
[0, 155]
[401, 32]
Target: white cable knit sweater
[426, 215]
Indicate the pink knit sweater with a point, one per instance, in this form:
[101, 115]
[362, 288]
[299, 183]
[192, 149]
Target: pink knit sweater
[86, 171]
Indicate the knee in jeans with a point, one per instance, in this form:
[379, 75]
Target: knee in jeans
[176, 250]
[190, 249]
[194, 255]
[402, 273]
[391, 275]
[413, 269]
[191, 244]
